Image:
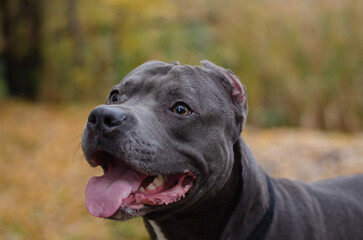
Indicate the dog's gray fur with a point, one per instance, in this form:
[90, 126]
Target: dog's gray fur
[230, 194]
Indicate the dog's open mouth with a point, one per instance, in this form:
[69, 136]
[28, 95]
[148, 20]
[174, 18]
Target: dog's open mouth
[122, 187]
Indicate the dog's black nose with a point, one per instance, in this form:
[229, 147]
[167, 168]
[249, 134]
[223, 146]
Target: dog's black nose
[106, 118]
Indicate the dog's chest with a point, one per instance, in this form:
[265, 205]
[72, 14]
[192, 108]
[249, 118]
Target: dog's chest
[157, 230]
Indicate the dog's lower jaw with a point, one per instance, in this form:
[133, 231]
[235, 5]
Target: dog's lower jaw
[207, 219]
[229, 211]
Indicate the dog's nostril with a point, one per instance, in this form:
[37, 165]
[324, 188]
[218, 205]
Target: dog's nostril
[92, 118]
[113, 121]
[110, 121]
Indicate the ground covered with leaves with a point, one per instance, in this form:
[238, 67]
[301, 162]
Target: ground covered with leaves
[43, 174]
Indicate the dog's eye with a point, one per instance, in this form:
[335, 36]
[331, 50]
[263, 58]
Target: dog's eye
[182, 109]
[115, 97]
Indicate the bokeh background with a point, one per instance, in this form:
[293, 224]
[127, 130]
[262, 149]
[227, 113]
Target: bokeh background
[300, 60]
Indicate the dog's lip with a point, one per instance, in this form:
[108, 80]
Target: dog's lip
[107, 161]
[104, 159]
[136, 203]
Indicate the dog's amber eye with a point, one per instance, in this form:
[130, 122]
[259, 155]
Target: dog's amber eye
[115, 97]
[182, 109]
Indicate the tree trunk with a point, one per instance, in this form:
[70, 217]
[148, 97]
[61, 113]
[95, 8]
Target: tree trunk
[74, 29]
[21, 25]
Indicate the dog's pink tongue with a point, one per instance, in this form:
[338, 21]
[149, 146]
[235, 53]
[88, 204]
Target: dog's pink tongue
[104, 194]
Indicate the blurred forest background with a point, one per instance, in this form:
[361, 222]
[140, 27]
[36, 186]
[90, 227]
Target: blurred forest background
[300, 60]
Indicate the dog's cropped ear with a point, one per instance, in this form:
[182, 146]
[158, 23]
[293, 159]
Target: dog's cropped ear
[234, 85]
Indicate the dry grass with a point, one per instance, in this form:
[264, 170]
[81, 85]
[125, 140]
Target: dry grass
[43, 174]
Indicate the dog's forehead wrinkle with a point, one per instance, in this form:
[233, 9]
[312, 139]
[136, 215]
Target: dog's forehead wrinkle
[184, 82]
[134, 84]
[171, 92]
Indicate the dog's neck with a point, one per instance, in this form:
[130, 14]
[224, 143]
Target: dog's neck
[254, 200]
[215, 219]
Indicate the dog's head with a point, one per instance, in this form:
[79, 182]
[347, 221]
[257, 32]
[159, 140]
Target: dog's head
[164, 139]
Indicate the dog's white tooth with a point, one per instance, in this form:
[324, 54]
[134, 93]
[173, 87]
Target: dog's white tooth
[159, 181]
[141, 189]
[151, 186]
[156, 181]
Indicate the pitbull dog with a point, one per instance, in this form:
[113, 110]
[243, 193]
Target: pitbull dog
[168, 140]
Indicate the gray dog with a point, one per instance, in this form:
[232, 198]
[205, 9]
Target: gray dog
[168, 140]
